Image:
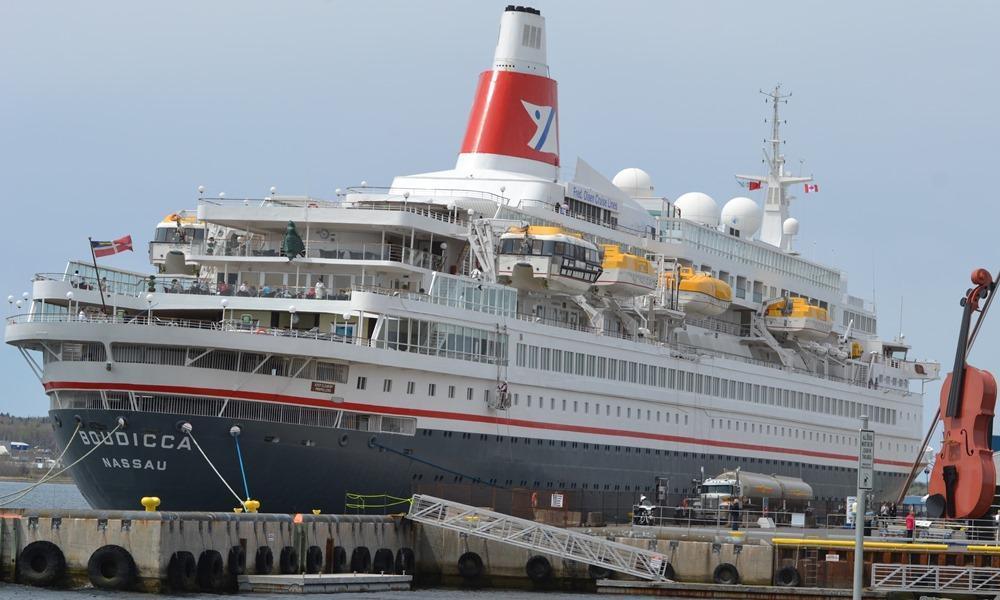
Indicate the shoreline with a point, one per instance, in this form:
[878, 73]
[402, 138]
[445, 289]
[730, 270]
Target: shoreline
[20, 479]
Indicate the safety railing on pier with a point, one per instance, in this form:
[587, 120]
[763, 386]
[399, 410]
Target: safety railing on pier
[571, 545]
[934, 578]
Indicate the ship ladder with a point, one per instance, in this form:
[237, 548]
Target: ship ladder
[555, 541]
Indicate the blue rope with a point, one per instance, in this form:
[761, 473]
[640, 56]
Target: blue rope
[243, 472]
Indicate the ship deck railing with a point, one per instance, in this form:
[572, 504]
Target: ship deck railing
[438, 212]
[260, 248]
[232, 326]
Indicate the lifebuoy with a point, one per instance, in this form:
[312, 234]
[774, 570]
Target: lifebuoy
[314, 560]
[211, 571]
[237, 562]
[41, 564]
[111, 568]
[288, 562]
[324, 234]
[470, 566]
[264, 561]
[405, 561]
[182, 572]
[726, 574]
[787, 576]
[338, 562]
[361, 560]
[534, 499]
[538, 568]
[383, 561]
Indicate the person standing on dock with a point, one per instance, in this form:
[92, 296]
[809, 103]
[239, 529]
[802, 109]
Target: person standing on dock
[735, 508]
[911, 526]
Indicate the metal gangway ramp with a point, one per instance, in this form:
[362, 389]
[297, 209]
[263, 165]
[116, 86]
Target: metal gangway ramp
[498, 527]
[930, 578]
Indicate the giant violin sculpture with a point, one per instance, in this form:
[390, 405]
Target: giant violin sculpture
[963, 481]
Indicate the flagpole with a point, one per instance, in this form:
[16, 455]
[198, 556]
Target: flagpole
[100, 288]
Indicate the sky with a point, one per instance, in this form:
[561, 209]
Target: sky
[112, 113]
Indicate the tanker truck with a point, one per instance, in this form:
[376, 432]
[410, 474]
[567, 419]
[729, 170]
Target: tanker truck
[774, 496]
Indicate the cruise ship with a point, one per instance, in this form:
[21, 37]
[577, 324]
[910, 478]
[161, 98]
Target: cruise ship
[490, 327]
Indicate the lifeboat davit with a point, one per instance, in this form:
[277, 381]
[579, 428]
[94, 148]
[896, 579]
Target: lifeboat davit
[538, 258]
[699, 294]
[797, 318]
[624, 274]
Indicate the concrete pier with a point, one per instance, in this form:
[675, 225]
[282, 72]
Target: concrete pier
[164, 551]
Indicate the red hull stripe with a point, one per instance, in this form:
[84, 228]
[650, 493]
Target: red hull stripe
[452, 416]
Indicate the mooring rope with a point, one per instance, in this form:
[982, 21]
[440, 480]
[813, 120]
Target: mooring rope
[235, 432]
[186, 428]
[47, 477]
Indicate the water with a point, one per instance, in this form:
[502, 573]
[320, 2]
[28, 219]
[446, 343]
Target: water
[66, 495]
[47, 495]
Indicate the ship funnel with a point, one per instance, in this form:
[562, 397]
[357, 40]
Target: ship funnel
[514, 124]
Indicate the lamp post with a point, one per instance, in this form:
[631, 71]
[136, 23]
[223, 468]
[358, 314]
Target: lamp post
[69, 299]
[149, 309]
[224, 302]
[291, 318]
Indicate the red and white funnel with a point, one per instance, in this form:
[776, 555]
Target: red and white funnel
[514, 124]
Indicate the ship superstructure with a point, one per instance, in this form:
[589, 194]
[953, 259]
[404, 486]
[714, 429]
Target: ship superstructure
[488, 325]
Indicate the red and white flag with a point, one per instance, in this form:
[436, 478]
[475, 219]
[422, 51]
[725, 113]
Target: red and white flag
[753, 185]
[812, 187]
[113, 247]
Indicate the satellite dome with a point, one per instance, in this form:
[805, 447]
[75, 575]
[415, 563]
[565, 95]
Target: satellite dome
[790, 226]
[743, 215]
[698, 207]
[634, 182]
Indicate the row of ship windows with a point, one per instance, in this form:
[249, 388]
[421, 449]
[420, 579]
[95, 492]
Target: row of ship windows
[204, 358]
[235, 409]
[589, 365]
[803, 434]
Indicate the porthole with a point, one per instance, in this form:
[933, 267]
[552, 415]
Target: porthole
[343, 440]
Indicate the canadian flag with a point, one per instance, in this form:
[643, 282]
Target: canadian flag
[812, 187]
[753, 185]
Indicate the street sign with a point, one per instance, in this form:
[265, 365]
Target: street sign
[866, 460]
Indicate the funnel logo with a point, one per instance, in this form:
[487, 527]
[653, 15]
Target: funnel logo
[544, 139]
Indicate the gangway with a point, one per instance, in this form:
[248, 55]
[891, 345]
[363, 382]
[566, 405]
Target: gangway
[932, 578]
[498, 527]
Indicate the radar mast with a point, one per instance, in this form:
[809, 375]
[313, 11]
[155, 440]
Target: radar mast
[777, 198]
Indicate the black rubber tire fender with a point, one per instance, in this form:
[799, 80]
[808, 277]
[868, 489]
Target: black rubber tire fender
[264, 561]
[314, 560]
[338, 562]
[41, 564]
[361, 560]
[211, 571]
[470, 566]
[288, 561]
[237, 561]
[538, 568]
[726, 574]
[668, 572]
[182, 572]
[787, 576]
[111, 568]
[383, 561]
[405, 561]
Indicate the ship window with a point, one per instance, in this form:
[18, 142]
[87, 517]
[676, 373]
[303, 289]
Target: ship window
[451, 392]
[529, 401]
[387, 385]
[469, 393]
[552, 403]
[362, 383]
[410, 387]
[432, 389]
[564, 404]
[619, 410]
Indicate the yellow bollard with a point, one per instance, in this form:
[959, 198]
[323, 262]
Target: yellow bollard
[252, 505]
[150, 503]
[238, 509]
[315, 511]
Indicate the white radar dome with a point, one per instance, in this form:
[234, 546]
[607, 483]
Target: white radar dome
[743, 215]
[634, 182]
[698, 207]
[790, 226]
